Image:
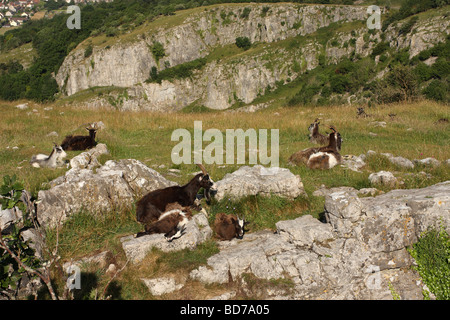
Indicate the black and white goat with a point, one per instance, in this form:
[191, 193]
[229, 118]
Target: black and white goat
[315, 136]
[150, 207]
[172, 223]
[54, 160]
[76, 143]
[323, 156]
[229, 226]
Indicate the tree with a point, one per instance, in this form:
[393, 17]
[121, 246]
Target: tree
[243, 42]
[404, 79]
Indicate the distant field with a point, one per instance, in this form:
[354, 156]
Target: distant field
[413, 133]
[38, 15]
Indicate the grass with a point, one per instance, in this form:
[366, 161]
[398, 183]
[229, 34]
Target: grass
[146, 136]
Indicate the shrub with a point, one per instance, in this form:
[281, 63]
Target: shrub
[180, 71]
[339, 83]
[380, 48]
[158, 51]
[432, 253]
[88, 51]
[407, 26]
[436, 90]
[245, 13]
[243, 42]
[403, 78]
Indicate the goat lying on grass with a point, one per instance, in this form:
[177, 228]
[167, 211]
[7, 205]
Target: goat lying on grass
[229, 226]
[54, 160]
[321, 158]
[76, 143]
[150, 207]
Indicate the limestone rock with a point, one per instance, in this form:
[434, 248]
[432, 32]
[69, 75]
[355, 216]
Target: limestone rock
[88, 159]
[385, 178]
[428, 162]
[9, 216]
[220, 82]
[161, 286]
[113, 186]
[359, 255]
[258, 180]
[304, 231]
[197, 231]
[353, 163]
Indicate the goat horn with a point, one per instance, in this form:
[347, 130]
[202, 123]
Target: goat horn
[202, 168]
[333, 128]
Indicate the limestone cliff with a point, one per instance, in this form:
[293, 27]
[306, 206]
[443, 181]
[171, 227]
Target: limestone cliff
[227, 79]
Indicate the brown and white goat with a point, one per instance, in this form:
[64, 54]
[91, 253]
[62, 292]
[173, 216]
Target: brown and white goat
[329, 156]
[229, 226]
[321, 153]
[172, 223]
[315, 136]
[76, 143]
[150, 207]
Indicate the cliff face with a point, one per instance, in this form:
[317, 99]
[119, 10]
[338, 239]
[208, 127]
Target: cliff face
[227, 79]
[129, 64]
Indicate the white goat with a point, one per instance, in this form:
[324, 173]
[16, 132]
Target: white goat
[54, 160]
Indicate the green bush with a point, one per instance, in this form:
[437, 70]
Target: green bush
[432, 255]
[158, 51]
[339, 83]
[436, 90]
[407, 26]
[380, 48]
[243, 42]
[245, 13]
[88, 51]
[10, 270]
[180, 71]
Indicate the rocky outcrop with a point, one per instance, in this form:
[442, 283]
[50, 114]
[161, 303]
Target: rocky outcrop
[113, 186]
[128, 63]
[359, 254]
[255, 180]
[88, 159]
[423, 35]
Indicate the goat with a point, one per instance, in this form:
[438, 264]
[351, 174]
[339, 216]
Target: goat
[55, 159]
[360, 113]
[326, 157]
[303, 156]
[172, 223]
[150, 207]
[76, 143]
[315, 136]
[228, 227]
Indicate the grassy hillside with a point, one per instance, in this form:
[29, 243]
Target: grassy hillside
[418, 129]
[413, 133]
